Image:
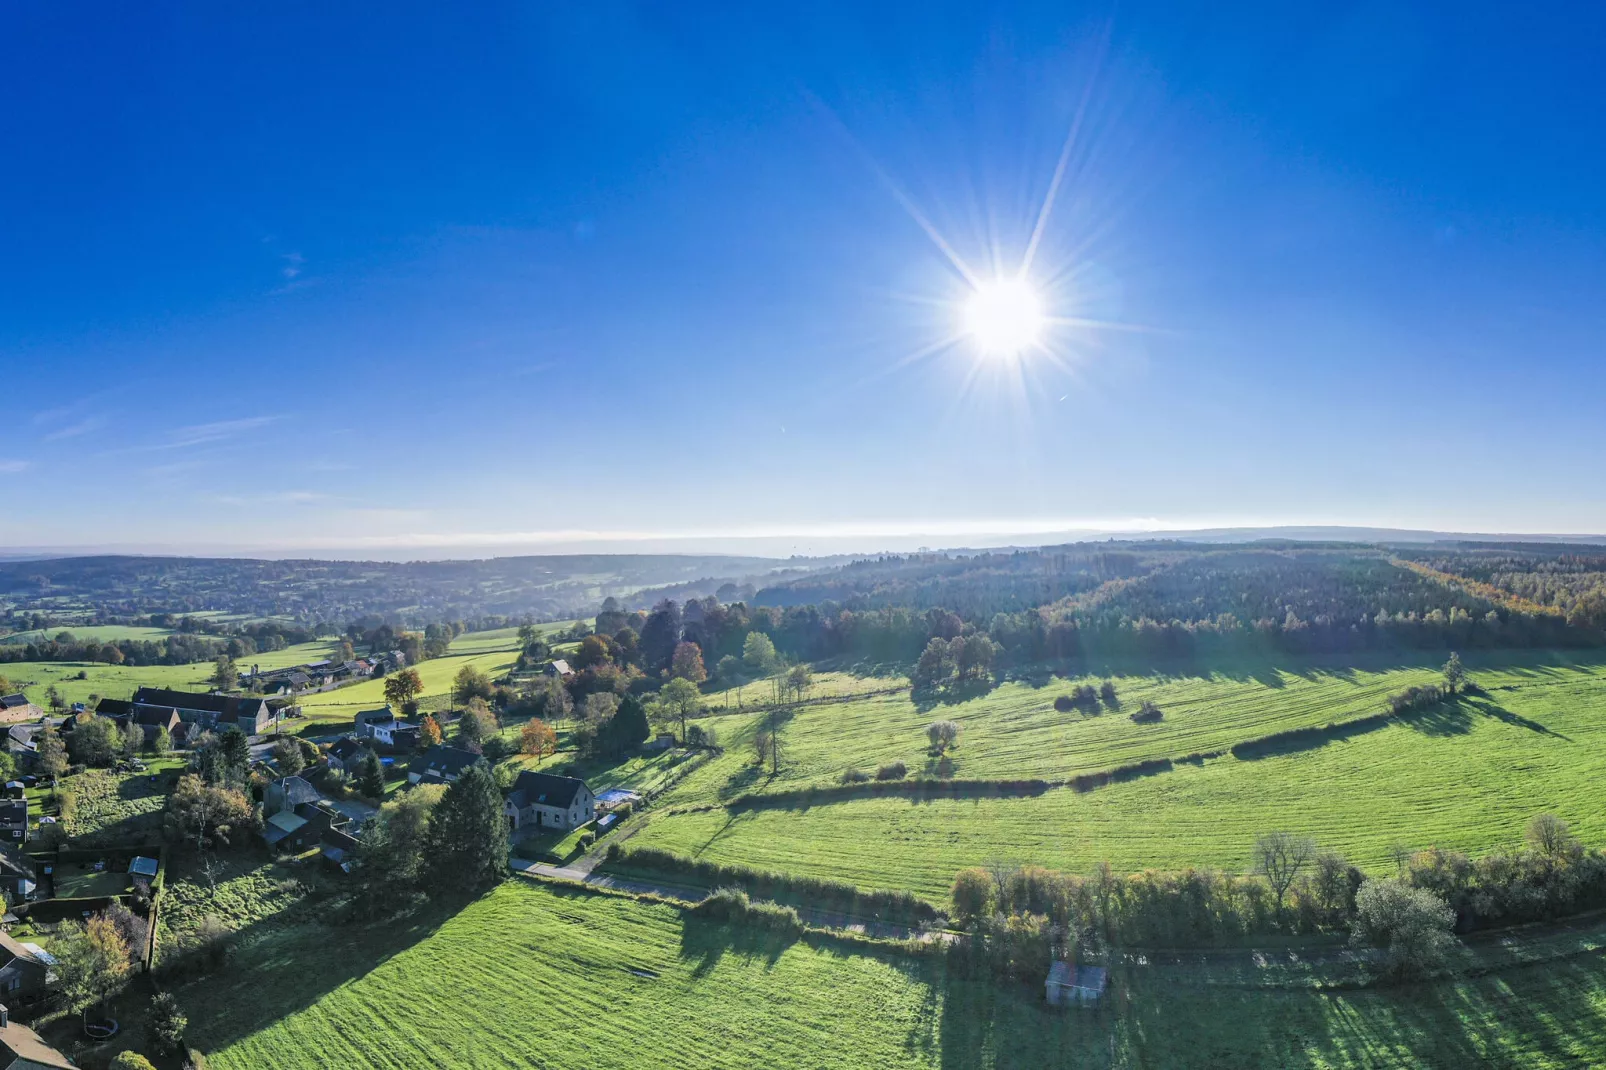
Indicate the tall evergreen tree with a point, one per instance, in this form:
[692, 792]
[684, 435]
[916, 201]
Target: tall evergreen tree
[371, 776]
[467, 834]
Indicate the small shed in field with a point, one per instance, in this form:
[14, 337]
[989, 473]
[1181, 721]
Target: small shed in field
[1069, 985]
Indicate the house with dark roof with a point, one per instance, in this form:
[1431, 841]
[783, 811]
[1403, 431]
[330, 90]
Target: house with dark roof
[302, 827]
[345, 754]
[19, 875]
[543, 800]
[22, 973]
[339, 849]
[442, 765]
[286, 793]
[249, 713]
[23, 1049]
[150, 719]
[14, 820]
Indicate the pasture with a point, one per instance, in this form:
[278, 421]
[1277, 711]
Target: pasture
[100, 633]
[562, 978]
[437, 674]
[1468, 776]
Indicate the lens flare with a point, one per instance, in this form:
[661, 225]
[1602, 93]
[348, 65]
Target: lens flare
[1005, 317]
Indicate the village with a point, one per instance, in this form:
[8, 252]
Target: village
[307, 794]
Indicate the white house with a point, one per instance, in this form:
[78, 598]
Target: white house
[548, 801]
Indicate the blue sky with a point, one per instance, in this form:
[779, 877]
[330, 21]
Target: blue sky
[539, 276]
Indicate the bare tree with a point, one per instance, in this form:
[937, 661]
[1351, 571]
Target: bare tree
[1279, 856]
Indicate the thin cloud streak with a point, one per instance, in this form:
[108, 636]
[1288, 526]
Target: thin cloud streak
[12, 467]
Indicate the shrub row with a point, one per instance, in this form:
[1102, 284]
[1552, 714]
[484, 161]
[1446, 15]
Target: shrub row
[921, 788]
[834, 895]
[733, 905]
[1089, 781]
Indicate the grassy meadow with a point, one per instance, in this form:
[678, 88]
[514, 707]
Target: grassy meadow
[1469, 777]
[562, 978]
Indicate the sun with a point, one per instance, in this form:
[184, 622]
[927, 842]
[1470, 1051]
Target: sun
[1005, 317]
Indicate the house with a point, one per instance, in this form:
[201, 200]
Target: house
[547, 801]
[558, 668]
[18, 708]
[382, 726]
[249, 713]
[19, 739]
[339, 849]
[14, 820]
[22, 1049]
[286, 793]
[442, 764]
[22, 973]
[663, 741]
[346, 754]
[19, 875]
[302, 827]
[1068, 984]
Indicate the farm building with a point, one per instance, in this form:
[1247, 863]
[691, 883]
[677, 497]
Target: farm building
[251, 715]
[548, 801]
[558, 668]
[22, 1048]
[18, 708]
[1068, 984]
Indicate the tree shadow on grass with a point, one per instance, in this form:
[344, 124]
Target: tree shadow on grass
[284, 965]
[704, 942]
[1489, 708]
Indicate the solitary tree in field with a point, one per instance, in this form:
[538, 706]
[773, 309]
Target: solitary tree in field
[798, 681]
[680, 699]
[224, 674]
[1279, 857]
[401, 687]
[471, 683]
[1455, 674]
[943, 734]
[537, 739]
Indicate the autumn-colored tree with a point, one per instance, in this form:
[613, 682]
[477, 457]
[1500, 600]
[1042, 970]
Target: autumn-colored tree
[687, 664]
[536, 738]
[52, 755]
[430, 730]
[400, 687]
[91, 963]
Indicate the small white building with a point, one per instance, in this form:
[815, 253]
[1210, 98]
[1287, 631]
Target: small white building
[1067, 984]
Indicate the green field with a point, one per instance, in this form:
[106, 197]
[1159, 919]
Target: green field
[107, 681]
[1468, 778]
[100, 633]
[535, 977]
[437, 674]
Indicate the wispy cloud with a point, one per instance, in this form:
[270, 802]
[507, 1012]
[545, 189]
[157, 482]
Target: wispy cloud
[12, 467]
[200, 434]
[282, 497]
[73, 430]
[292, 264]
